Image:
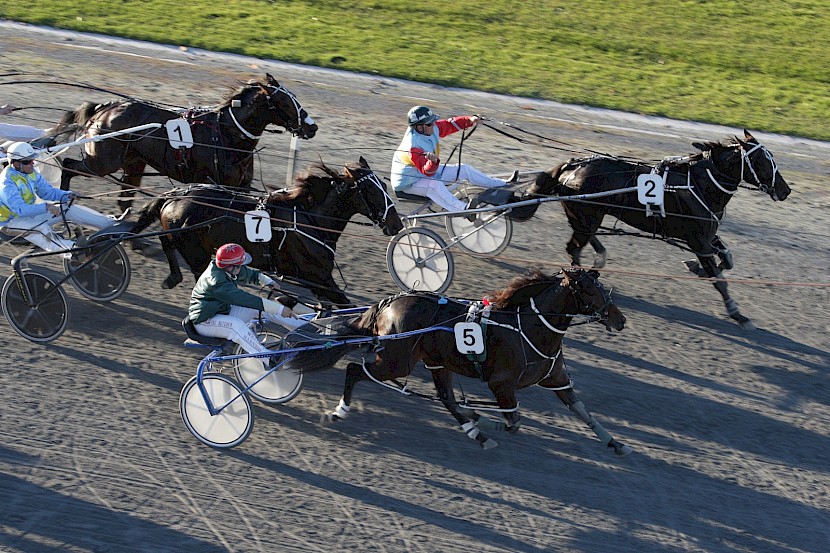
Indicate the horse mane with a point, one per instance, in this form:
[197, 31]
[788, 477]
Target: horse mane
[307, 187]
[239, 88]
[519, 290]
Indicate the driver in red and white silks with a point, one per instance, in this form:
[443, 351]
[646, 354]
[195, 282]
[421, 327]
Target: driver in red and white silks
[417, 167]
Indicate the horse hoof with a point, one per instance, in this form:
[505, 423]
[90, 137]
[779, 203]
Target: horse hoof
[170, 283]
[599, 261]
[515, 428]
[486, 423]
[489, 443]
[328, 418]
[746, 324]
[620, 449]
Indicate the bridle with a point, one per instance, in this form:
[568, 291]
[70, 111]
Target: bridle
[378, 219]
[274, 106]
[746, 162]
[584, 307]
[298, 110]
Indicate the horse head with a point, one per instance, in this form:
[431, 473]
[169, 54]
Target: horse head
[748, 160]
[761, 168]
[286, 109]
[261, 103]
[374, 200]
[592, 297]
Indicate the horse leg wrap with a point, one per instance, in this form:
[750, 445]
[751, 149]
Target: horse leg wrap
[578, 409]
[342, 410]
[731, 307]
[471, 430]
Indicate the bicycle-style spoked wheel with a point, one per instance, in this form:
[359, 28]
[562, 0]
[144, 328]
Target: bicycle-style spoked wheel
[280, 386]
[44, 316]
[231, 425]
[489, 234]
[105, 278]
[417, 259]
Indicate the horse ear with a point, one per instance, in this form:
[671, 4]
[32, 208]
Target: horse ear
[271, 79]
[702, 146]
[593, 273]
[363, 163]
[567, 275]
[749, 137]
[333, 174]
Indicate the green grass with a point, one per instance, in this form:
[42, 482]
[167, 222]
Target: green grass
[761, 65]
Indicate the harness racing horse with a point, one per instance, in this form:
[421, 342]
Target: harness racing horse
[698, 187]
[224, 137]
[523, 335]
[306, 223]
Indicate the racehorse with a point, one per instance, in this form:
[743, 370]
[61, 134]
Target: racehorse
[306, 222]
[224, 137]
[523, 329]
[698, 187]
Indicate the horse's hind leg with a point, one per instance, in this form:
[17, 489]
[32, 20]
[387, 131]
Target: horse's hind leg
[442, 378]
[601, 253]
[354, 374]
[130, 181]
[559, 381]
[169, 249]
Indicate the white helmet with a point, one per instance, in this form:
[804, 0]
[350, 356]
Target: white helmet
[20, 151]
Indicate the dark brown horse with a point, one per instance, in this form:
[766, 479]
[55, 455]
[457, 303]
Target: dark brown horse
[522, 331]
[224, 137]
[698, 187]
[306, 223]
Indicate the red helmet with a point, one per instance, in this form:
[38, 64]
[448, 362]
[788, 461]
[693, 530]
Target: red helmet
[231, 255]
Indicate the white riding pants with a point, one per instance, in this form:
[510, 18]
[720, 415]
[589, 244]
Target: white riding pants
[38, 229]
[236, 326]
[439, 187]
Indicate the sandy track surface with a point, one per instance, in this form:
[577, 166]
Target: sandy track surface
[731, 428]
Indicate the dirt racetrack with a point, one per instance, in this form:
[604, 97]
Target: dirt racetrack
[731, 428]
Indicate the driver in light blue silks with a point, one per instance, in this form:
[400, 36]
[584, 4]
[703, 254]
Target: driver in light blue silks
[417, 168]
[20, 213]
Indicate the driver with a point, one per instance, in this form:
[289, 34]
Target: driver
[21, 186]
[218, 308]
[417, 169]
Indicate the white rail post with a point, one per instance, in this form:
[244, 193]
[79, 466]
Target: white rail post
[292, 161]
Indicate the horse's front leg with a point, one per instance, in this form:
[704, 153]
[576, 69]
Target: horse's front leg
[505, 393]
[442, 378]
[707, 268]
[71, 168]
[724, 254]
[560, 382]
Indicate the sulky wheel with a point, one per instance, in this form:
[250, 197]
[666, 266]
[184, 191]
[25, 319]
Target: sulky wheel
[418, 259]
[227, 428]
[36, 307]
[279, 386]
[490, 233]
[105, 278]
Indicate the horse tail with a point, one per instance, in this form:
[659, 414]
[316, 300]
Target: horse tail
[546, 184]
[148, 215]
[319, 333]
